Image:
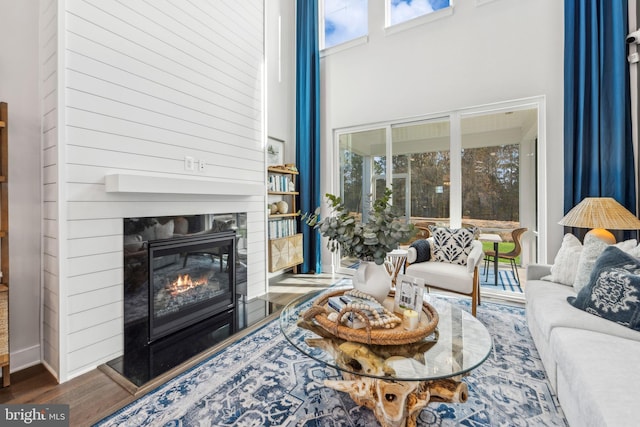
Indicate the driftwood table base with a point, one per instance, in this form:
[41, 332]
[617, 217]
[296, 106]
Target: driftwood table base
[394, 403]
[398, 403]
[396, 380]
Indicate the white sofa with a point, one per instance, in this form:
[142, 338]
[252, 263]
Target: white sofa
[593, 364]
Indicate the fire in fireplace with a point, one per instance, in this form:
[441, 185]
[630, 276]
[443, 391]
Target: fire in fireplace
[191, 278]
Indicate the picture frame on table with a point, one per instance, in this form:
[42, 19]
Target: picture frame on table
[409, 291]
[275, 151]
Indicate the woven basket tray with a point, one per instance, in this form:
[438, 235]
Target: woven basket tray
[319, 312]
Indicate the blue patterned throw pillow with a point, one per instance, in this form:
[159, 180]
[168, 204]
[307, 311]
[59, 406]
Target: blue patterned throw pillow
[452, 245]
[613, 291]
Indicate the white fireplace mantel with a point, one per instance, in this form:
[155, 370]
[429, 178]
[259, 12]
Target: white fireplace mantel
[129, 183]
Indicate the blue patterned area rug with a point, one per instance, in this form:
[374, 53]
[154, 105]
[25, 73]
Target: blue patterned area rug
[506, 281]
[262, 381]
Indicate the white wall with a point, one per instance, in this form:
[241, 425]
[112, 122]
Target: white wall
[280, 51]
[503, 50]
[19, 88]
[49, 45]
[141, 85]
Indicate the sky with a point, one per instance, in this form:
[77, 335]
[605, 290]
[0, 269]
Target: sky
[347, 19]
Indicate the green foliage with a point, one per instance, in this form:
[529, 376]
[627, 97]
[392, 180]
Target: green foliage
[368, 241]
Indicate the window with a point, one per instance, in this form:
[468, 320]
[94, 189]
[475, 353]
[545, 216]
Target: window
[363, 169]
[421, 169]
[405, 10]
[343, 21]
[475, 166]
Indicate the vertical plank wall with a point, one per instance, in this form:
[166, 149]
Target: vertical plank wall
[48, 23]
[146, 83]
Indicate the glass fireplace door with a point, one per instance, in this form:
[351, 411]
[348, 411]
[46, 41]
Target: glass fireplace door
[190, 279]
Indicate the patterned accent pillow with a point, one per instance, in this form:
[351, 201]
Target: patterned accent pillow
[613, 292]
[452, 245]
[591, 250]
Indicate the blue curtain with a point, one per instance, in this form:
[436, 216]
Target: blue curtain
[598, 148]
[308, 126]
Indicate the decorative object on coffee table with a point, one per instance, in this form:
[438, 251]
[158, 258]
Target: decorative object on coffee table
[316, 318]
[369, 241]
[397, 258]
[408, 293]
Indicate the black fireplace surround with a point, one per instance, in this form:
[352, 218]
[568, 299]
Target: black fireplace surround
[183, 278]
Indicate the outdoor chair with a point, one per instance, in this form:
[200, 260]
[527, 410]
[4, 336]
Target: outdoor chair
[490, 255]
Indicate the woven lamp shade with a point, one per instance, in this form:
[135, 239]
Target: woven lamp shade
[600, 212]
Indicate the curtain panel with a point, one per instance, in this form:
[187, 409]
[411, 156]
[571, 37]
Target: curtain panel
[308, 126]
[598, 144]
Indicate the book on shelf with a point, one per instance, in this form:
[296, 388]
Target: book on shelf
[280, 183]
[337, 303]
[282, 228]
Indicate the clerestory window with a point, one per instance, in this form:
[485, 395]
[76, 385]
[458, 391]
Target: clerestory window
[342, 21]
[400, 11]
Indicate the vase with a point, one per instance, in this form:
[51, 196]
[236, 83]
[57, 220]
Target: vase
[372, 279]
[283, 207]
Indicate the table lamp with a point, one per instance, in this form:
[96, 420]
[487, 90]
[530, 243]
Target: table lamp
[600, 213]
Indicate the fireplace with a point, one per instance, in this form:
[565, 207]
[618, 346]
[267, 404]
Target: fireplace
[180, 270]
[167, 323]
[191, 278]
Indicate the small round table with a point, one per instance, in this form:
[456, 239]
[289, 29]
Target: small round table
[395, 381]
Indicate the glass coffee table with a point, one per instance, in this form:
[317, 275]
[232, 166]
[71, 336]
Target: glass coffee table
[395, 381]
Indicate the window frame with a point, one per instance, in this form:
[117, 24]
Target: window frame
[324, 50]
[390, 28]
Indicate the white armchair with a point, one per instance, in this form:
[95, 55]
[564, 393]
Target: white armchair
[461, 279]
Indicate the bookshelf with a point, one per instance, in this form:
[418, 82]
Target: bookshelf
[285, 243]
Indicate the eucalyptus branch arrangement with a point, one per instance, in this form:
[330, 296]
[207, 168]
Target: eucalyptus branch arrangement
[368, 241]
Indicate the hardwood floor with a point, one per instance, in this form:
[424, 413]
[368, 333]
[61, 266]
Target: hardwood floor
[94, 395]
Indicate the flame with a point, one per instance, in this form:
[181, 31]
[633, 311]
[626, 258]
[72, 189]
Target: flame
[184, 283]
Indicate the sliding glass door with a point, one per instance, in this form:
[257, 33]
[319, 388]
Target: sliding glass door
[474, 166]
[498, 164]
[421, 169]
[363, 166]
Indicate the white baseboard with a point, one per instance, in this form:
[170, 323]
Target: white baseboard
[25, 358]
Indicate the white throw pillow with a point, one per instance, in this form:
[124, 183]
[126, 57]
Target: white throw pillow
[149, 233]
[634, 251]
[164, 231]
[565, 265]
[591, 250]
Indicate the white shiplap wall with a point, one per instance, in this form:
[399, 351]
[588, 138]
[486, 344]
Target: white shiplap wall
[146, 83]
[48, 23]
